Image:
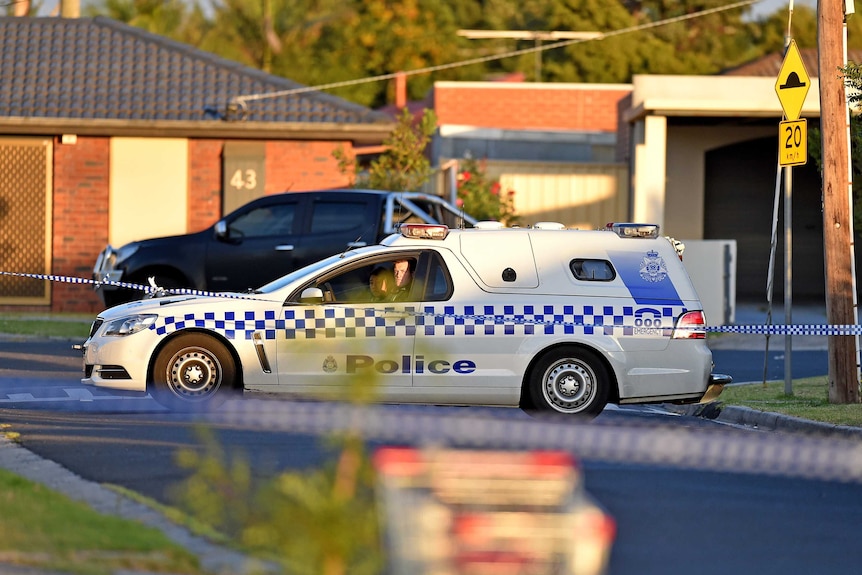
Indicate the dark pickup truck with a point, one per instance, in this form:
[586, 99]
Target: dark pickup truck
[267, 238]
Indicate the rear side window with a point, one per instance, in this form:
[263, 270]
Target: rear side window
[592, 270]
[337, 216]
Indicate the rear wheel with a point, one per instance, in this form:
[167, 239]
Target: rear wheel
[192, 372]
[569, 380]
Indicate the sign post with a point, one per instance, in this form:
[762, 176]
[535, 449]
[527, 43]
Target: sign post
[792, 87]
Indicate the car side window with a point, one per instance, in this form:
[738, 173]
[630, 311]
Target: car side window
[337, 216]
[382, 281]
[592, 270]
[438, 284]
[264, 221]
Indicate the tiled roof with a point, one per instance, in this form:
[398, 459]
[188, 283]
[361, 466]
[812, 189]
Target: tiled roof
[98, 68]
[770, 64]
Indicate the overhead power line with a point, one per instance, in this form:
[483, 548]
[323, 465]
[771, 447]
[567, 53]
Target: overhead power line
[241, 101]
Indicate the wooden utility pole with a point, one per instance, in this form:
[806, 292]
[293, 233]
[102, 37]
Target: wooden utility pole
[837, 214]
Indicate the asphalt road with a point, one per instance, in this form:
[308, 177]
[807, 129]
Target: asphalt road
[718, 513]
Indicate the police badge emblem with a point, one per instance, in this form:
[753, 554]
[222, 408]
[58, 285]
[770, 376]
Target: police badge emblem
[653, 269]
[329, 364]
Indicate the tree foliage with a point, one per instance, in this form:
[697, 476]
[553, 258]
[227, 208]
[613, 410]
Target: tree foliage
[316, 42]
[483, 197]
[403, 167]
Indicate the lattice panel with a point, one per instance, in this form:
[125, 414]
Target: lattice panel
[24, 198]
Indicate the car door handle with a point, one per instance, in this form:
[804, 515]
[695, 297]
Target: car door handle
[356, 244]
[395, 315]
[284, 248]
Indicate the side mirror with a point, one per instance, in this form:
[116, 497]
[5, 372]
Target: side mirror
[311, 295]
[221, 229]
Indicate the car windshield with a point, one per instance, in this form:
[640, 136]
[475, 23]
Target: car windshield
[310, 269]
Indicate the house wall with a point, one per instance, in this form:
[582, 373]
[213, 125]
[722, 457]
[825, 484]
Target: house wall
[578, 195]
[148, 189]
[530, 106]
[301, 166]
[81, 177]
[204, 185]
[83, 198]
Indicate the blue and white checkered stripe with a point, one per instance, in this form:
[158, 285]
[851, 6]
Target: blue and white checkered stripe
[535, 319]
[793, 329]
[350, 322]
[452, 320]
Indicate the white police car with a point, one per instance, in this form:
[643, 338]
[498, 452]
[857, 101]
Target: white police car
[543, 317]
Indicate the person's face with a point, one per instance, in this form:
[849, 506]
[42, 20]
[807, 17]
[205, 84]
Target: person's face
[402, 273]
[378, 285]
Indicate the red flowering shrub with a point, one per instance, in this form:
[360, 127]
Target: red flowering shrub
[482, 197]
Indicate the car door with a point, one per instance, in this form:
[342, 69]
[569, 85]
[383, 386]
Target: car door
[336, 222]
[258, 244]
[469, 346]
[345, 342]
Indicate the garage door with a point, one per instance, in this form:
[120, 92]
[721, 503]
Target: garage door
[739, 188]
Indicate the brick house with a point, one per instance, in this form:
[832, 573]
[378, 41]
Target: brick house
[554, 144]
[110, 134]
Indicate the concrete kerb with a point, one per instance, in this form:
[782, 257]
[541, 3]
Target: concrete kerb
[213, 558]
[766, 420]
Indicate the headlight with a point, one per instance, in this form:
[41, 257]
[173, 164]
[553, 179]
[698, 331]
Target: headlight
[130, 325]
[124, 253]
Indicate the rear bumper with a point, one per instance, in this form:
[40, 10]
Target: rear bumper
[715, 386]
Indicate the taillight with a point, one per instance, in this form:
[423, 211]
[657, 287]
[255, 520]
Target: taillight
[690, 325]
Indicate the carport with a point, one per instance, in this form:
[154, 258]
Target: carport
[703, 154]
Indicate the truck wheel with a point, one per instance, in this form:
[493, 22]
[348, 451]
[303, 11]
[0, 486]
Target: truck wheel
[192, 372]
[569, 380]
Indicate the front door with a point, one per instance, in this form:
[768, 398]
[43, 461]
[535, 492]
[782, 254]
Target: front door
[259, 247]
[352, 344]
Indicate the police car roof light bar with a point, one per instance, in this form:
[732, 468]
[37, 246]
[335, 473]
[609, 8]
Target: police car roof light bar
[628, 230]
[425, 231]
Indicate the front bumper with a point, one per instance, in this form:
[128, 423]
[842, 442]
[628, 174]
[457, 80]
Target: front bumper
[118, 363]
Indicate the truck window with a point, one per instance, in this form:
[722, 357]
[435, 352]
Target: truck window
[331, 216]
[272, 220]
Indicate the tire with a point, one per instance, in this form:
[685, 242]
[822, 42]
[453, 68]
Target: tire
[193, 372]
[571, 381]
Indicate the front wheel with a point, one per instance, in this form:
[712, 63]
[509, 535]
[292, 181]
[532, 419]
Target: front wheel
[569, 380]
[193, 372]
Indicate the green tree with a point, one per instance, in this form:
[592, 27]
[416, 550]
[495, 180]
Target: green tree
[708, 43]
[403, 167]
[320, 521]
[170, 18]
[10, 6]
[378, 37]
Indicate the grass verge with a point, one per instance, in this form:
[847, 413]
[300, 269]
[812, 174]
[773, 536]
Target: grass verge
[809, 400]
[72, 326]
[86, 542]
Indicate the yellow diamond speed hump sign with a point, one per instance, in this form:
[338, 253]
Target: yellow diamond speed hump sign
[793, 82]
